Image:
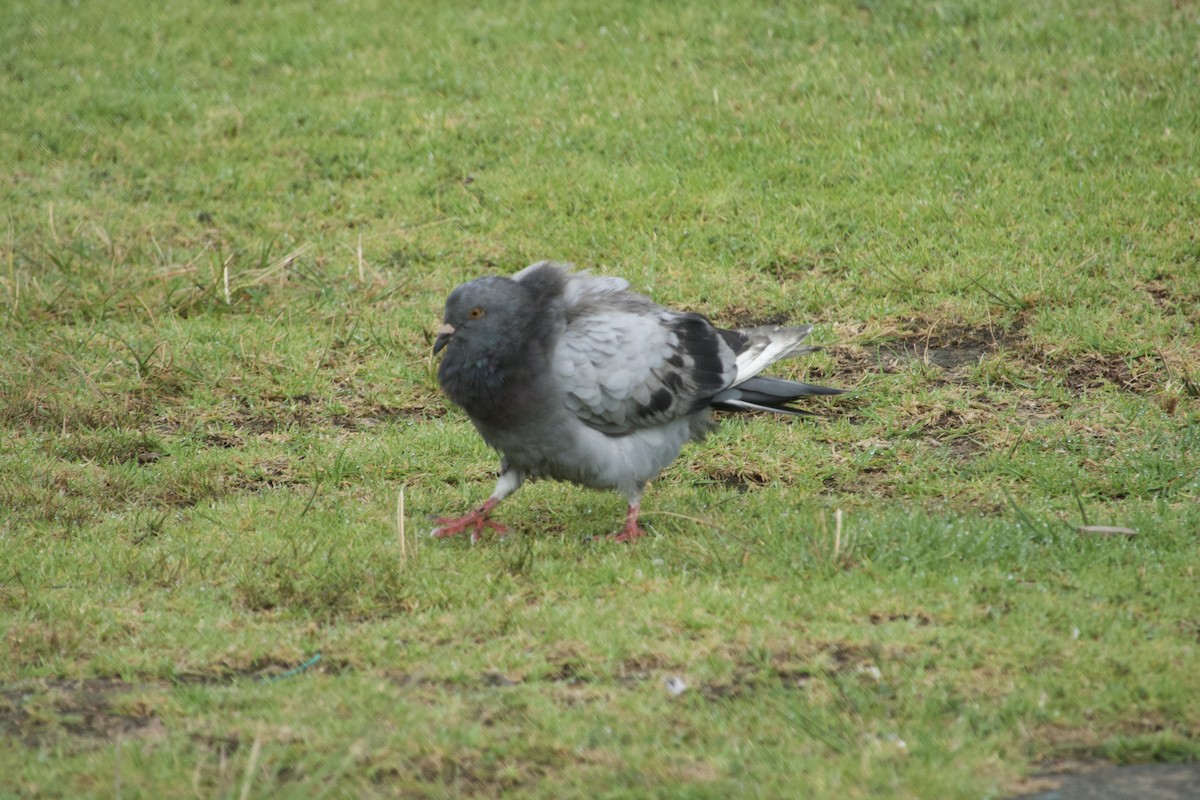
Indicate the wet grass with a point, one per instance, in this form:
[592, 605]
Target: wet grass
[229, 232]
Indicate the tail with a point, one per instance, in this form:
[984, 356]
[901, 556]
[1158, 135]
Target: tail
[757, 349]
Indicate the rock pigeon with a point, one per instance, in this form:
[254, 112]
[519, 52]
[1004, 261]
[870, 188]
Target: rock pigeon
[572, 376]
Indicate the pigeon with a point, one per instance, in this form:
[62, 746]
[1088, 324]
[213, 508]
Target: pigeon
[572, 376]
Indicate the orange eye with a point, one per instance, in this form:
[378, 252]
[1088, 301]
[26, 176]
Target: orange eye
[475, 313]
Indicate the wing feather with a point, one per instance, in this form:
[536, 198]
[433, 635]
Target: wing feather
[625, 363]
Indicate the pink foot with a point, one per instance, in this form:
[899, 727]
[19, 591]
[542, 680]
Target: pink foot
[477, 520]
[632, 530]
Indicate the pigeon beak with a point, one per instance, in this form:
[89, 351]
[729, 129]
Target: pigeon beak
[443, 337]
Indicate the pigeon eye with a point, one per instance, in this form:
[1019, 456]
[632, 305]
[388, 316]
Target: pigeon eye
[475, 313]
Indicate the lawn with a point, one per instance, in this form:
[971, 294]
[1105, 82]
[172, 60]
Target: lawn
[228, 231]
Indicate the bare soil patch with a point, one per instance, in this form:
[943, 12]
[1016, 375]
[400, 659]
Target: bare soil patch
[740, 316]
[951, 347]
[1124, 782]
[81, 709]
[1138, 374]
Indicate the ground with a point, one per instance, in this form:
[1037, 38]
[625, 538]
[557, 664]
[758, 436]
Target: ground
[229, 232]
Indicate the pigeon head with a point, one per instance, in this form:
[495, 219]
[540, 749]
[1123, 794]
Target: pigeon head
[489, 325]
[483, 317]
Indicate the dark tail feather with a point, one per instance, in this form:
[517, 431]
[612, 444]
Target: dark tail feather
[763, 389]
[769, 394]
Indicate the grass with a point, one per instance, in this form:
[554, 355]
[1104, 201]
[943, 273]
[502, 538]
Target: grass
[230, 227]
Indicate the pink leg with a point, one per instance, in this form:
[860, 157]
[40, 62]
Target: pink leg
[632, 530]
[477, 520]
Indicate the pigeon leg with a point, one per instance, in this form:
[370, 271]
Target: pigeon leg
[632, 530]
[510, 480]
[477, 520]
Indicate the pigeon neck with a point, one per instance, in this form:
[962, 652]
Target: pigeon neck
[489, 386]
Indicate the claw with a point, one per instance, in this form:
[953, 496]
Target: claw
[632, 531]
[477, 520]
[629, 535]
[448, 526]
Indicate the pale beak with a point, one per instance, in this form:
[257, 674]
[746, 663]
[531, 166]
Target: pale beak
[443, 337]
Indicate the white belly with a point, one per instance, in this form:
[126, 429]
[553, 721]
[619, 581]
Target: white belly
[594, 459]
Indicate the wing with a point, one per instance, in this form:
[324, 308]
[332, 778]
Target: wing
[625, 363]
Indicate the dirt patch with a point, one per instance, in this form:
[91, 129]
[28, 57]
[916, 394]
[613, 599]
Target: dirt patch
[85, 710]
[962, 448]
[103, 710]
[954, 349]
[1174, 293]
[371, 416]
[740, 316]
[224, 440]
[795, 671]
[570, 672]
[269, 473]
[273, 414]
[1162, 294]
[109, 447]
[746, 681]
[919, 618]
[848, 363]
[950, 347]
[741, 479]
[872, 481]
[1138, 374]
[107, 709]
[1106, 782]
[476, 774]
[642, 668]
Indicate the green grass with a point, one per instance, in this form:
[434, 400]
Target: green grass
[228, 232]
